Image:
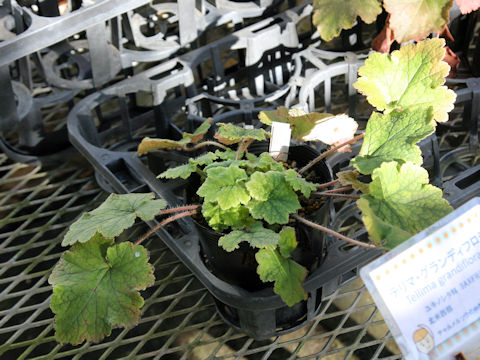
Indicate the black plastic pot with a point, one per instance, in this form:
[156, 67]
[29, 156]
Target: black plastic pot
[240, 267]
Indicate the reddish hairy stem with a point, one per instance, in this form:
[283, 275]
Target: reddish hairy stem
[333, 232]
[177, 209]
[330, 183]
[203, 144]
[331, 151]
[165, 222]
[346, 196]
[339, 189]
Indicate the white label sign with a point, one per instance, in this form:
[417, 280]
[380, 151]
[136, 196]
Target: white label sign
[428, 288]
[280, 140]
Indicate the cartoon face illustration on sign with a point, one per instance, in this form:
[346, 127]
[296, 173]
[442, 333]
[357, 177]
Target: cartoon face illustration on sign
[423, 339]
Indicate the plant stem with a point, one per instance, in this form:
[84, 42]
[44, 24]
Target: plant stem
[346, 196]
[165, 222]
[177, 209]
[203, 144]
[333, 232]
[242, 147]
[332, 150]
[330, 183]
[339, 189]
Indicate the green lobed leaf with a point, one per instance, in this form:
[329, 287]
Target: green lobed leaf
[264, 162]
[205, 159]
[257, 236]
[299, 184]
[287, 242]
[231, 134]
[236, 218]
[273, 199]
[415, 20]
[95, 288]
[225, 185]
[402, 198]
[286, 273]
[243, 164]
[392, 137]
[226, 154]
[380, 232]
[411, 77]
[350, 177]
[115, 214]
[330, 17]
[183, 171]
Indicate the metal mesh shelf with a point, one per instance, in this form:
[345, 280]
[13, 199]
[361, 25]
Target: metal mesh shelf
[179, 319]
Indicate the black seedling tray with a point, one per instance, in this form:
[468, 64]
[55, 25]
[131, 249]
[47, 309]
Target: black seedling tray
[108, 139]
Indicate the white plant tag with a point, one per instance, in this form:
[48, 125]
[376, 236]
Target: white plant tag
[280, 140]
[427, 288]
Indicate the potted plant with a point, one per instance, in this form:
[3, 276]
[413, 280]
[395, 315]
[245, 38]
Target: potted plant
[96, 283]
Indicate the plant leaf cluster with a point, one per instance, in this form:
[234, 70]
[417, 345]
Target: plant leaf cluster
[399, 202]
[96, 283]
[249, 197]
[407, 19]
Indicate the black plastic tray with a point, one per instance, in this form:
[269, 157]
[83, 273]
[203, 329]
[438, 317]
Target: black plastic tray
[260, 314]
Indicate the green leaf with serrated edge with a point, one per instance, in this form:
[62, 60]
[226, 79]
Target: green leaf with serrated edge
[226, 163]
[263, 162]
[150, 144]
[331, 17]
[299, 183]
[286, 273]
[95, 289]
[115, 214]
[231, 134]
[287, 242]
[205, 159]
[278, 115]
[402, 197]
[350, 177]
[392, 137]
[251, 157]
[272, 197]
[415, 20]
[257, 236]
[411, 77]
[236, 218]
[183, 171]
[381, 233]
[225, 186]
[226, 154]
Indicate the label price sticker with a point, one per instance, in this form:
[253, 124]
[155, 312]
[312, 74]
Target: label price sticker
[427, 289]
